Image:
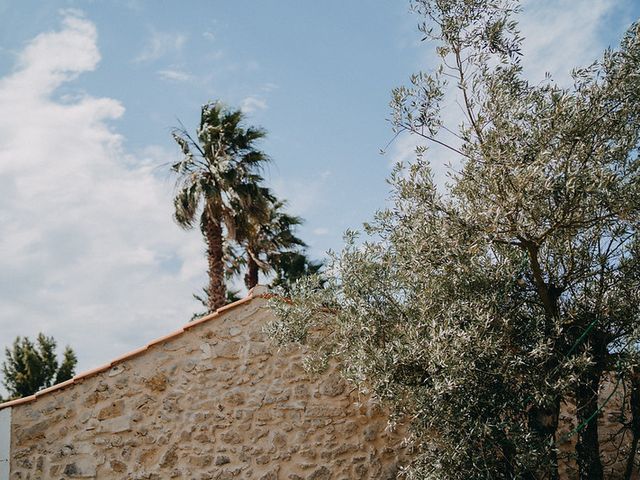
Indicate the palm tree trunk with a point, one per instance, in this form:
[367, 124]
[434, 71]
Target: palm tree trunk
[216, 291]
[251, 279]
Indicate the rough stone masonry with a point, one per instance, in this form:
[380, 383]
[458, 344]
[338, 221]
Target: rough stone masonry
[215, 401]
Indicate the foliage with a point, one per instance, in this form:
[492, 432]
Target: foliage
[233, 295]
[243, 222]
[291, 267]
[267, 240]
[30, 367]
[476, 311]
[218, 182]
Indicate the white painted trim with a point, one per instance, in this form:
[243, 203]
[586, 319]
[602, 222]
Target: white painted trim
[5, 442]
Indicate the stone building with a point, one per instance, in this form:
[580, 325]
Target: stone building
[213, 400]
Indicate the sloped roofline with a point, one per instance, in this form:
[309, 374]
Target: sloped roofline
[259, 291]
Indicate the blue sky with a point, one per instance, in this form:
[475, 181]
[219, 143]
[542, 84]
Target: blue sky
[89, 92]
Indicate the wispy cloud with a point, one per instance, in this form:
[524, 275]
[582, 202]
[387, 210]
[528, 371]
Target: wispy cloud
[175, 75]
[253, 104]
[269, 87]
[160, 44]
[563, 34]
[51, 59]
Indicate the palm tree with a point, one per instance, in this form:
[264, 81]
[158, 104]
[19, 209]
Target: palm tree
[218, 173]
[266, 234]
[293, 266]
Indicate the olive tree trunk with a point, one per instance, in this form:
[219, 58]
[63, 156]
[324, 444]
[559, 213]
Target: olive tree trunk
[586, 394]
[635, 423]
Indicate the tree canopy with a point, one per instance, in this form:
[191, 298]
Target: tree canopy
[218, 182]
[477, 309]
[32, 366]
[244, 224]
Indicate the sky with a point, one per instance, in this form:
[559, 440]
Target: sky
[89, 94]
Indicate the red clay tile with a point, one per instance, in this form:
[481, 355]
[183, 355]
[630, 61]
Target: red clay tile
[233, 305]
[164, 338]
[18, 401]
[128, 355]
[53, 388]
[200, 320]
[93, 371]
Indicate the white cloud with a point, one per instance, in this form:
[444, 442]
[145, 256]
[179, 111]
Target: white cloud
[563, 34]
[253, 104]
[51, 58]
[89, 251]
[174, 75]
[320, 231]
[269, 87]
[160, 44]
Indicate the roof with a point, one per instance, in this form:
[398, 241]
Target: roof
[259, 291]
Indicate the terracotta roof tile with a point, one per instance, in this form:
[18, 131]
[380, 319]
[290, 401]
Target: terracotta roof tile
[164, 338]
[58, 386]
[257, 292]
[206, 318]
[18, 401]
[128, 355]
[93, 371]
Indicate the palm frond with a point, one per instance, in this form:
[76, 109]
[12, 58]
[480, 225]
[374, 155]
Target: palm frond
[186, 204]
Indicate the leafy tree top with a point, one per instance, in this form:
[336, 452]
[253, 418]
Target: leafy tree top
[477, 309]
[33, 366]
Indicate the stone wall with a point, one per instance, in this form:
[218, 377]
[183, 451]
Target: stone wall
[215, 402]
[614, 433]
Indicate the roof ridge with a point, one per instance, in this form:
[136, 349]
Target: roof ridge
[259, 291]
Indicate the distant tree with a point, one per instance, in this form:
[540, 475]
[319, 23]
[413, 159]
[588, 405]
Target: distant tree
[218, 178]
[233, 295]
[268, 239]
[30, 367]
[478, 308]
[291, 267]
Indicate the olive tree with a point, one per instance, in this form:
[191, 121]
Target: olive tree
[475, 311]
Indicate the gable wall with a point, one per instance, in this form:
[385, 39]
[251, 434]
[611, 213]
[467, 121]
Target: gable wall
[216, 402]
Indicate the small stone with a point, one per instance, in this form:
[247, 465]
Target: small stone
[170, 457]
[118, 466]
[189, 365]
[82, 468]
[332, 387]
[370, 432]
[111, 411]
[157, 383]
[116, 370]
[321, 473]
[205, 351]
[115, 425]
